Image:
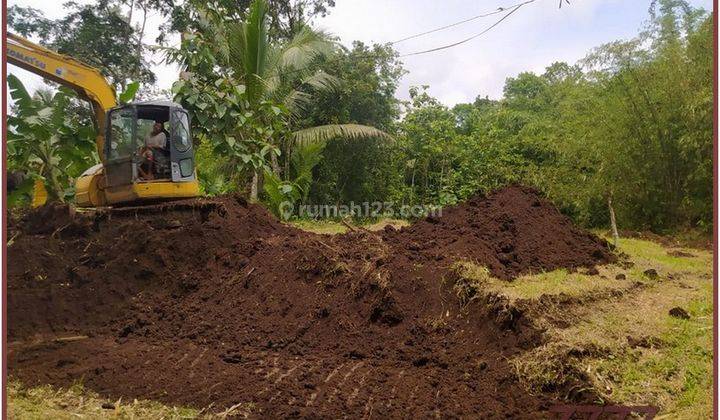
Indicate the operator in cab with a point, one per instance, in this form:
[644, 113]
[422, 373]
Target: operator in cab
[157, 138]
[154, 151]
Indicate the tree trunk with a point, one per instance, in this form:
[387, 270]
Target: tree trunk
[260, 183]
[412, 186]
[130, 13]
[613, 224]
[141, 35]
[286, 162]
[57, 189]
[254, 187]
[286, 172]
[275, 165]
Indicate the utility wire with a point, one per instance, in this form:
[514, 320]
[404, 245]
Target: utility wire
[494, 12]
[486, 30]
[514, 9]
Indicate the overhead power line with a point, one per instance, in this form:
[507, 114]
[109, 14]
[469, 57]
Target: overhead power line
[470, 19]
[514, 8]
[486, 30]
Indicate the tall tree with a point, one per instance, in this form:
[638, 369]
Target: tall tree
[351, 170]
[284, 17]
[96, 34]
[270, 72]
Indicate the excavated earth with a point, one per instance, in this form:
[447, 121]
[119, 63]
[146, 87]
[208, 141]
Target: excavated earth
[216, 302]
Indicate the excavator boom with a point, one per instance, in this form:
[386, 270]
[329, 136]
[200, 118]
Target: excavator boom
[87, 81]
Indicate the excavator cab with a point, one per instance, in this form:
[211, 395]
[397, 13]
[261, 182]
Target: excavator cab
[127, 153]
[132, 171]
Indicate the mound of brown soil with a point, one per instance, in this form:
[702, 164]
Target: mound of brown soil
[216, 302]
[512, 231]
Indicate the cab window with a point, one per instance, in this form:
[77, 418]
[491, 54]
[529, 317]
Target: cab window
[121, 134]
[181, 137]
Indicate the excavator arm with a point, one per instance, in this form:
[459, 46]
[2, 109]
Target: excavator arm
[87, 81]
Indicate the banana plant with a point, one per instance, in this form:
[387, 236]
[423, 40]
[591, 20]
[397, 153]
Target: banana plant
[47, 139]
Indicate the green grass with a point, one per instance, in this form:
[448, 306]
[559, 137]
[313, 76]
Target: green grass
[547, 283]
[677, 375]
[562, 281]
[46, 402]
[674, 374]
[331, 227]
[650, 253]
[322, 227]
[644, 254]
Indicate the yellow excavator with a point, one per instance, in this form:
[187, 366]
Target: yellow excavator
[123, 176]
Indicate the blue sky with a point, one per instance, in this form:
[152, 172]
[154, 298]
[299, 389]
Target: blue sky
[529, 40]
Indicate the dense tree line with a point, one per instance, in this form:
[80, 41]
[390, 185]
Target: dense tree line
[632, 123]
[320, 123]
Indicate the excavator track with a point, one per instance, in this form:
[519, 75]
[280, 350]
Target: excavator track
[200, 206]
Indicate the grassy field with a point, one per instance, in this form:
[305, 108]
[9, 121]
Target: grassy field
[618, 332]
[332, 227]
[44, 402]
[615, 332]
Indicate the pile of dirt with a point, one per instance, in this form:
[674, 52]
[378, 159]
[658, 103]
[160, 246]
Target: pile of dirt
[216, 302]
[512, 231]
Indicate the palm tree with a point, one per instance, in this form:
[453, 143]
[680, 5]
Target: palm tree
[280, 72]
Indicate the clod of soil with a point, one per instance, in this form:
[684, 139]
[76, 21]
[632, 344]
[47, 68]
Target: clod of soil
[651, 273]
[216, 302]
[647, 342]
[679, 312]
[680, 253]
[54, 219]
[592, 271]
